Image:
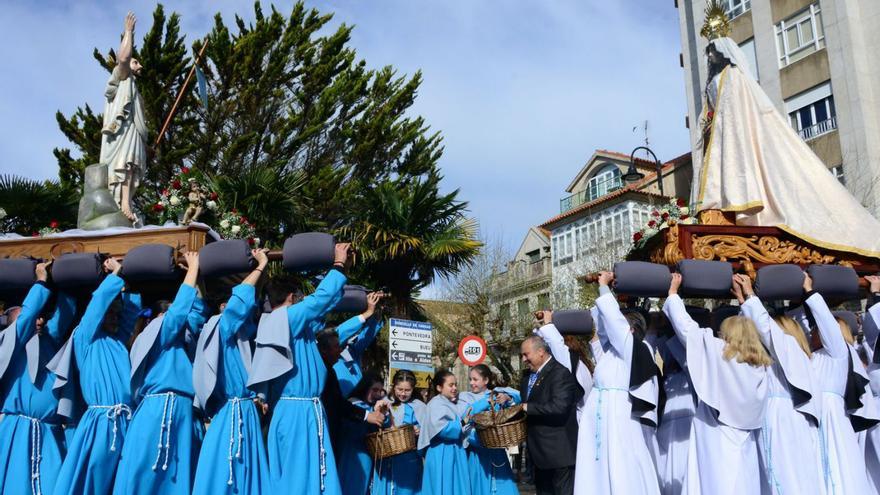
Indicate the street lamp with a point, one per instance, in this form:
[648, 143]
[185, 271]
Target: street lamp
[633, 175]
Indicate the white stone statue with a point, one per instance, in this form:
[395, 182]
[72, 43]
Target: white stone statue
[753, 165]
[124, 133]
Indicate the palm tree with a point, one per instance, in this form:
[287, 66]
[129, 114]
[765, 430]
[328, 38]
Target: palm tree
[269, 197]
[407, 234]
[30, 205]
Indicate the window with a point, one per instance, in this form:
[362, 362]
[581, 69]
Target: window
[812, 112]
[838, 173]
[522, 307]
[736, 8]
[543, 301]
[504, 311]
[748, 49]
[534, 256]
[606, 180]
[800, 35]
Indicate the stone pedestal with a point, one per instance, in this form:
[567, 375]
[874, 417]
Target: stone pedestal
[97, 209]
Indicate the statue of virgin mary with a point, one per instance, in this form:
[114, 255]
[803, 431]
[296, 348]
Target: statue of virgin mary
[753, 166]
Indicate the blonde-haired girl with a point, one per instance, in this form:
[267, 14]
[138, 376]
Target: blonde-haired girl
[730, 377]
[789, 439]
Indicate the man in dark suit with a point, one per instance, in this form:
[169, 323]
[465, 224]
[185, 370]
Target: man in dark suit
[550, 394]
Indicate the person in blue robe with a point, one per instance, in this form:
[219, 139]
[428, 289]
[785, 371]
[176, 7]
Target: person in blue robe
[233, 456]
[358, 334]
[401, 474]
[31, 436]
[446, 465]
[158, 457]
[354, 461]
[489, 469]
[97, 349]
[286, 356]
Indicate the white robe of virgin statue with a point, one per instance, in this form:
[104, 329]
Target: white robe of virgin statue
[123, 135]
[732, 400]
[843, 460]
[789, 439]
[757, 166]
[612, 457]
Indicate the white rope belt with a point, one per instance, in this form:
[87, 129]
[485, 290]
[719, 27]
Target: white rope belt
[113, 413]
[165, 427]
[36, 452]
[319, 416]
[235, 423]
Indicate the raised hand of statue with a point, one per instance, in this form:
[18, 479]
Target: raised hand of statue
[130, 21]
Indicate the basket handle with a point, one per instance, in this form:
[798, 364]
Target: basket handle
[492, 405]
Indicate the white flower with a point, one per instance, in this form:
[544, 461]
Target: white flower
[683, 210]
[2, 213]
[212, 205]
[236, 229]
[174, 201]
[256, 241]
[224, 224]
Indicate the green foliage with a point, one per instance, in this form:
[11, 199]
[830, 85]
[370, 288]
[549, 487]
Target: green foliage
[31, 205]
[299, 135]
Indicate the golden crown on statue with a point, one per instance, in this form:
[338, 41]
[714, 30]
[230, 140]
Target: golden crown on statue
[716, 25]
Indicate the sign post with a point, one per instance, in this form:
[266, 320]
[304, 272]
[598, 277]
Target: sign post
[472, 350]
[410, 347]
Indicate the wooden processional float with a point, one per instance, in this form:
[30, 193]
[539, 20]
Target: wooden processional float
[150, 261]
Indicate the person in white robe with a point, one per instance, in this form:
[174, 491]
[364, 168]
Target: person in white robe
[754, 165]
[871, 330]
[674, 432]
[843, 461]
[729, 375]
[789, 439]
[564, 355]
[612, 457]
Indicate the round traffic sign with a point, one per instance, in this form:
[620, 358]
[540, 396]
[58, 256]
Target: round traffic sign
[472, 350]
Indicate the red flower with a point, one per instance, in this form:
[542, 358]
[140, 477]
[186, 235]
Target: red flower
[176, 184]
[234, 211]
[652, 223]
[680, 202]
[35, 234]
[53, 224]
[655, 213]
[665, 215]
[637, 237]
[685, 217]
[244, 219]
[213, 196]
[158, 207]
[251, 241]
[165, 192]
[184, 170]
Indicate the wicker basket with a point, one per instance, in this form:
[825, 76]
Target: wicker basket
[501, 429]
[391, 441]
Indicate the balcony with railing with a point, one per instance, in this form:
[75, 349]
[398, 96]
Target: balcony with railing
[521, 274]
[593, 191]
[814, 131]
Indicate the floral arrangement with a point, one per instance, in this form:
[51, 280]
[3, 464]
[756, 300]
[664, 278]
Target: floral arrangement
[674, 212]
[173, 200]
[52, 228]
[234, 225]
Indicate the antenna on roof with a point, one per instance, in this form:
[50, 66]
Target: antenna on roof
[644, 127]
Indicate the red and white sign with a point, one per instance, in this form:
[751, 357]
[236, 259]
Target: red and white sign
[472, 350]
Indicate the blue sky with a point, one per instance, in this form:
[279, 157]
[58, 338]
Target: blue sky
[522, 91]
